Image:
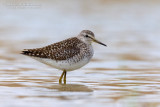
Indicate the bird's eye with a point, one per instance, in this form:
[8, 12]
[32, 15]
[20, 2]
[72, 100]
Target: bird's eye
[86, 36]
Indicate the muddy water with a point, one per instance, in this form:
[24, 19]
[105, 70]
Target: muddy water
[125, 74]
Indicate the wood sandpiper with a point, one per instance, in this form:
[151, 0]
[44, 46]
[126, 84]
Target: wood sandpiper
[66, 55]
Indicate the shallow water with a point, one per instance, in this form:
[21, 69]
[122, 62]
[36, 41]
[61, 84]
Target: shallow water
[125, 74]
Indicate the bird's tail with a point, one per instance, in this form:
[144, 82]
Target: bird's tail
[28, 52]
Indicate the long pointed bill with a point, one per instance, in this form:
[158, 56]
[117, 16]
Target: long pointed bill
[94, 40]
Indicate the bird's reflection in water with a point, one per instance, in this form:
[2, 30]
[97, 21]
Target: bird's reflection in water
[71, 88]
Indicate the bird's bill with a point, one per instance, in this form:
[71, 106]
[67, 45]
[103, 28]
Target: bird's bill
[94, 40]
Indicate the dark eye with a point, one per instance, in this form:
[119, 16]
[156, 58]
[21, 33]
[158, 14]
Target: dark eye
[86, 36]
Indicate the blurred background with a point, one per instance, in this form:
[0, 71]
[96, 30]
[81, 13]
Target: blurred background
[125, 74]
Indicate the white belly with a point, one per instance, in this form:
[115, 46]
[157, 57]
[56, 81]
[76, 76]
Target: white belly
[64, 64]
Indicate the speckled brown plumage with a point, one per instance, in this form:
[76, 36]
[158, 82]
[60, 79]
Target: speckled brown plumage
[58, 51]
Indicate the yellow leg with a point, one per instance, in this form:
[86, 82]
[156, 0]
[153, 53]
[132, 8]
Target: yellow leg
[60, 79]
[65, 77]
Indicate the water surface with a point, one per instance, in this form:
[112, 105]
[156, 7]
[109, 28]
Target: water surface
[125, 74]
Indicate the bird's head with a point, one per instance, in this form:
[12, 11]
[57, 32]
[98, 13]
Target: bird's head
[88, 37]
